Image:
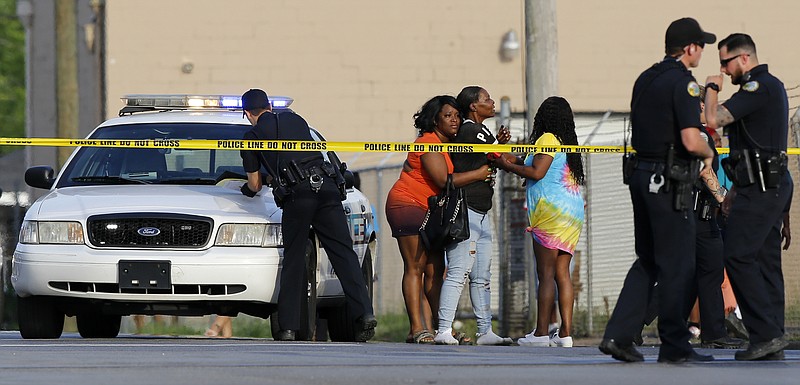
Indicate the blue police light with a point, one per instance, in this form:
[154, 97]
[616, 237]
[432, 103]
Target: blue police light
[230, 102]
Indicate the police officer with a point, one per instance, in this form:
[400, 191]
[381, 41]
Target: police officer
[709, 261]
[757, 120]
[709, 265]
[307, 188]
[665, 119]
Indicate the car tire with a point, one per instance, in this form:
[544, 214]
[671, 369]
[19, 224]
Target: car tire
[39, 317]
[97, 325]
[308, 305]
[341, 327]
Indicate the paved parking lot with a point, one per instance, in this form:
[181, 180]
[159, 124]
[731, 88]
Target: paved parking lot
[133, 359]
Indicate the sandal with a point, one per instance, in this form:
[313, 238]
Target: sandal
[462, 338]
[421, 337]
[213, 331]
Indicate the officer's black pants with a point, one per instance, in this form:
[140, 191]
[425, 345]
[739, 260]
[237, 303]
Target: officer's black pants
[709, 276]
[323, 211]
[666, 254]
[753, 257]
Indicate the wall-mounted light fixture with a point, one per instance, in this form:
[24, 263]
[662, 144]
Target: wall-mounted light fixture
[187, 67]
[509, 47]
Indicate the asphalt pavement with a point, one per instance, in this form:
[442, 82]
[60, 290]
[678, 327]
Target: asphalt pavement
[199, 361]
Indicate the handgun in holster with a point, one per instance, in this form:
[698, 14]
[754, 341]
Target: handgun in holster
[681, 178]
[339, 168]
[739, 168]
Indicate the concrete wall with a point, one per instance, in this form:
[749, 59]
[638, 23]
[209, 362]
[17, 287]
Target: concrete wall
[358, 69]
[605, 45]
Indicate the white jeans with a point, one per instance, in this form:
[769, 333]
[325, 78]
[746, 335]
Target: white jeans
[471, 259]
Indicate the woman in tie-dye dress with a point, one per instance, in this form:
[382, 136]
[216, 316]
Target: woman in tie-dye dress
[555, 210]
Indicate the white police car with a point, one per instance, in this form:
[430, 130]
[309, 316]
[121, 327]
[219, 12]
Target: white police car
[165, 230]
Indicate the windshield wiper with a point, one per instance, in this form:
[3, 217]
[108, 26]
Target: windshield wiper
[187, 180]
[109, 180]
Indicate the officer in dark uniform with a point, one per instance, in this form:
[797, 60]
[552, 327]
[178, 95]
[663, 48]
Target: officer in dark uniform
[756, 117]
[665, 119]
[709, 265]
[308, 188]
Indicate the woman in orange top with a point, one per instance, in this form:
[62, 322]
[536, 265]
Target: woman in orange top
[423, 175]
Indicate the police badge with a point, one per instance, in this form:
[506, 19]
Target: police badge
[751, 86]
[694, 89]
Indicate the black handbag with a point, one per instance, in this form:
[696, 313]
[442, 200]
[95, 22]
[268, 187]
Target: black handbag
[447, 220]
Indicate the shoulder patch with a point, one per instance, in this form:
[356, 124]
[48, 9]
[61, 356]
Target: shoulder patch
[751, 86]
[694, 89]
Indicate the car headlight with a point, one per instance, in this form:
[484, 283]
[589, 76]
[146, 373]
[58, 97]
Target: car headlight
[249, 234]
[51, 232]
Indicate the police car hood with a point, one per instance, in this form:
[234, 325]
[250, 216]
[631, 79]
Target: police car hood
[71, 203]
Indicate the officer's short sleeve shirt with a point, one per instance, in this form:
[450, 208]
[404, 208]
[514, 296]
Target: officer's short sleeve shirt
[278, 126]
[665, 101]
[760, 107]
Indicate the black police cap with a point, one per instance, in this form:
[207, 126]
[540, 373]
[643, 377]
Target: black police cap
[683, 32]
[255, 99]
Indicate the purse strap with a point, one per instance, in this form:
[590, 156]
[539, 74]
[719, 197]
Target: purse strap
[449, 184]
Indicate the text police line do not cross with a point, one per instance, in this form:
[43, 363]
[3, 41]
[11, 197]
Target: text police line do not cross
[281, 145]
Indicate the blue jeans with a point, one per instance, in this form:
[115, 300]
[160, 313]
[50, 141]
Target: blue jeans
[469, 259]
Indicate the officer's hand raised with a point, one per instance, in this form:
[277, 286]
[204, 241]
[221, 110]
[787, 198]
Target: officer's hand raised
[716, 79]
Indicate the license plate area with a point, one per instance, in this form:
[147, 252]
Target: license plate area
[144, 275]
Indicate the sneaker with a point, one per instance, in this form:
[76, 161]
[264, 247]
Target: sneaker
[534, 341]
[695, 331]
[445, 338]
[563, 342]
[489, 338]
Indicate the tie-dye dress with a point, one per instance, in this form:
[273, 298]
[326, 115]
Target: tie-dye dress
[555, 203]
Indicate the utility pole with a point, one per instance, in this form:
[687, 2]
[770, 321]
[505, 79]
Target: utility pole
[66, 74]
[541, 55]
[541, 81]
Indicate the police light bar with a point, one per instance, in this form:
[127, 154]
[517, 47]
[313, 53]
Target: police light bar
[196, 101]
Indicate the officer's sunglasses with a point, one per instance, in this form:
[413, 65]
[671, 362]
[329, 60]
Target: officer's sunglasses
[724, 62]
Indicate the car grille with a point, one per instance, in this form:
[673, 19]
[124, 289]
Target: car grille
[149, 230]
[184, 289]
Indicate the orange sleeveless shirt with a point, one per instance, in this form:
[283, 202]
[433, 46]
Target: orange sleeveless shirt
[415, 186]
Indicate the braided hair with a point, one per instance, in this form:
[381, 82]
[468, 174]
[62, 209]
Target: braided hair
[555, 116]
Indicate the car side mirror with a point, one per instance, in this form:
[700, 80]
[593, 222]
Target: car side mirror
[40, 177]
[349, 179]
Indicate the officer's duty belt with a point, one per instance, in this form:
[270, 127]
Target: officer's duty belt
[314, 170]
[646, 165]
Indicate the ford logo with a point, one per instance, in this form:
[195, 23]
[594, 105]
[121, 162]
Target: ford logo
[148, 231]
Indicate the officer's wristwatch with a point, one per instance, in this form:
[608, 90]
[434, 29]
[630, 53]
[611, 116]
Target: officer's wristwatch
[712, 86]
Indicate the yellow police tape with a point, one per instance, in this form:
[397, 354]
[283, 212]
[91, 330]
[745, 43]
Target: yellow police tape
[281, 145]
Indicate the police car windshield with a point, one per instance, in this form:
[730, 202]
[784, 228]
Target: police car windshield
[123, 165]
